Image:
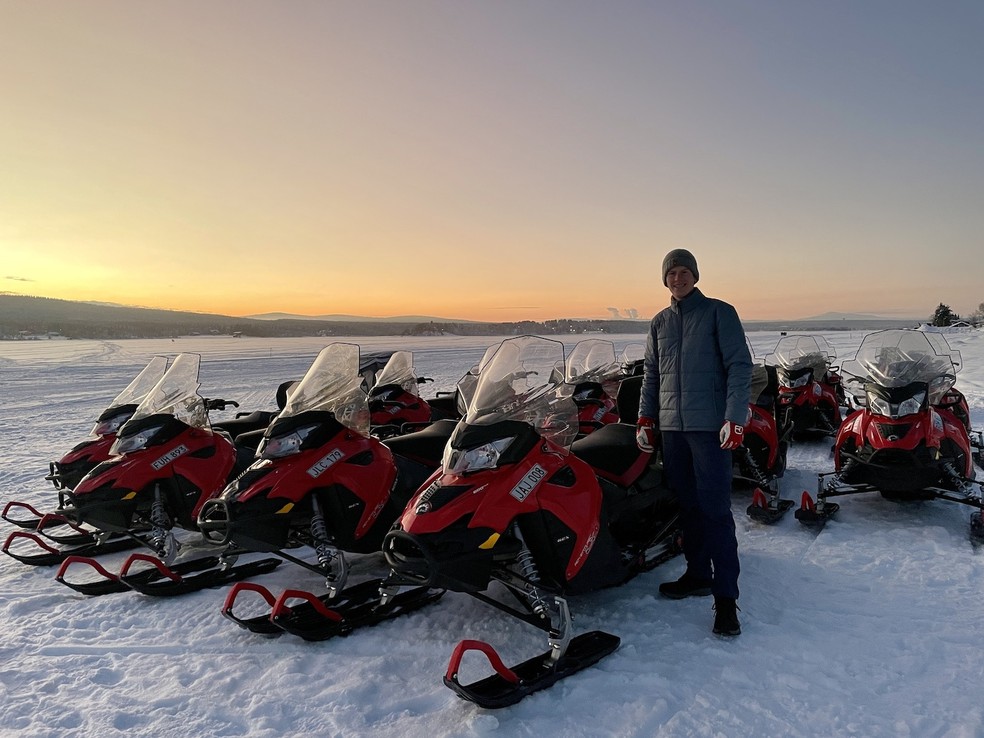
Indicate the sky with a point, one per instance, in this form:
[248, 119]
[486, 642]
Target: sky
[493, 161]
[870, 627]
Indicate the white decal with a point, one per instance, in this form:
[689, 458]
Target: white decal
[588, 545]
[528, 483]
[169, 457]
[325, 462]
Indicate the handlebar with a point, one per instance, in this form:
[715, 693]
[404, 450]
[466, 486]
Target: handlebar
[219, 404]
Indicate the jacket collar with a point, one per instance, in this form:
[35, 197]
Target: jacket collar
[689, 302]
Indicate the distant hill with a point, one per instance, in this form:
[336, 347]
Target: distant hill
[22, 316]
[336, 318]
[832, 323]
[856, 316]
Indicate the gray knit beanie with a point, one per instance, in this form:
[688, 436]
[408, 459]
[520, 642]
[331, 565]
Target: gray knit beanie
[680, 258]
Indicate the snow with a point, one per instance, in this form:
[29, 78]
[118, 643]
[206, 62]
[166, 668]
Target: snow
[870, 627]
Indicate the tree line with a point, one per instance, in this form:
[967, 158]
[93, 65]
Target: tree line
[944, 316]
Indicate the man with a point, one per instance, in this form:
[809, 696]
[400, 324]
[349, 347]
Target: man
[695, 391]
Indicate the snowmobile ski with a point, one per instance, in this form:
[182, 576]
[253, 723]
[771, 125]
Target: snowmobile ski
[767, 509]
[815, 515]
[319, 618]
[40, 522]
[509, 685]
[53, 556]
[20, 522]
[161, 580]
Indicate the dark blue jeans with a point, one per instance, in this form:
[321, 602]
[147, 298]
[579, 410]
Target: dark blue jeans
[698, 470]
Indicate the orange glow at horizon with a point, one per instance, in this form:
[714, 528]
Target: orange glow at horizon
[346, 158]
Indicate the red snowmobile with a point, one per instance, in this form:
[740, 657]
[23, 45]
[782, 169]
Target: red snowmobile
[165, 462]
[395, 404]
[515, 502]
[808, 386]
[902, 443]
[94, 449]
[323, 483]
[760, 462]
[594, 372]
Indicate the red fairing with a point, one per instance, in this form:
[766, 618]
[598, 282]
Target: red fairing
[498, 496]
[403, 408]
[187, 455]
[592, 413]
[763, 424]
[93, 450]
[929, 427]
[293, 477]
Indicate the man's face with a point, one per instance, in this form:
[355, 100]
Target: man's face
[680, 280]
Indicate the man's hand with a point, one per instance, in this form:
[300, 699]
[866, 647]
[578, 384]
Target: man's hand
[646, 435]
[731, 435]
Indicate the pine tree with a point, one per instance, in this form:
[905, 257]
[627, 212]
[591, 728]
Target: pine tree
[944, 315]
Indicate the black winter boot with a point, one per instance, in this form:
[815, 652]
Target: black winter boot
[686, 586]
[726, 617]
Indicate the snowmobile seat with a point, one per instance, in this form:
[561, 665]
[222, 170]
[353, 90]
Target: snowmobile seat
[283, 390]
[444, 406]
[246, 423]
[765, 389]
[424, 446]
[627, 399]
[612, 452]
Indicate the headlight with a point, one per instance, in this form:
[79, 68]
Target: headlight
[136, 442]
[110, 425]
[285, 445]
[879, 406]
[486, 456]
[911, 406]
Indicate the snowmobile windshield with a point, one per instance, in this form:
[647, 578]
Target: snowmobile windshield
[399, 370]
[333, 384]
[943, 348]
[801, 352]
[176, 393]
[591, 360]
[122, 407]
[466, 385]
[633, 352]
[142, 384]
[524, 381]
[896, 358]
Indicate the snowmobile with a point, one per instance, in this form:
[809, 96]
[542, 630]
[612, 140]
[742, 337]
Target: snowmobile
[165, 462]
[760, 462]
[901, 442]
[518, 503]
[94, 449]
[395, 404]
[323, 483]
[594, 372]
[808, 386]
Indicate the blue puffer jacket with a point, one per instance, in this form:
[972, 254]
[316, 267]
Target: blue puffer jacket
[698, 371]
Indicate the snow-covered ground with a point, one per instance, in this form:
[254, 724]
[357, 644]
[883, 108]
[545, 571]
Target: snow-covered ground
[873, 627]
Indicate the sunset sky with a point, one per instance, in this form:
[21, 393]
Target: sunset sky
[498, 160]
